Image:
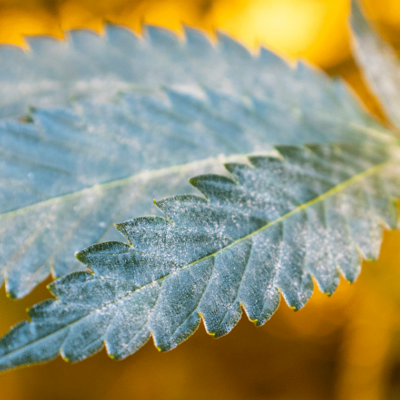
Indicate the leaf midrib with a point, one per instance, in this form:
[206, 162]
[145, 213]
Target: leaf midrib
[149, 174]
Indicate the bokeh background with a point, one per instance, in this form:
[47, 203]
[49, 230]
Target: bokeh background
[346, 347]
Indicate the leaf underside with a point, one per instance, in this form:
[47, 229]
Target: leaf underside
[269, 228]
[69, 174]
[310, 200]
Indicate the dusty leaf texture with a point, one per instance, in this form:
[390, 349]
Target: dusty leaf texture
[71, 172]
[318, 183]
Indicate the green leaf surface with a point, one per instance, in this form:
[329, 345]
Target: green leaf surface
[378, 61]
[269, 227]
[70, 173]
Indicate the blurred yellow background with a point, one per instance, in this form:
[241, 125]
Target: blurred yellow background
[313, 29]
[345, 347]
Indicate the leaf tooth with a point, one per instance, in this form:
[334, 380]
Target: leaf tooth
[39, 45]
[294, 183]
[129, 329]
[268, 58]
[269, 197]
[217, 220]
[258, 292]
[130, 228]
[121, 36]
[101, 249]
[119, 347]
[171, 202]
[292, 152]
[241, 172]
[316, 84]
[176, 316]
[162, 37]
[197, 41]
[165, 342]
[320, 261]
[228, 196]
[305, 163]
[85, 40]
[85, 337]
[41, 310]
[18, 284]
[69, 286]
[213, 186]
[293, 279]
[126, 264]
[185, 210]
[263, 162]
[383, 205]
[233, 48]
[365, 227]
[342, 247]
[220, 303]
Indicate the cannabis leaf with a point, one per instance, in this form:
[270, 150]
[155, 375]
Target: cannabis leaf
[310, 206]
[379, 63]
[69, 174]
[89, 66]
[270, 227]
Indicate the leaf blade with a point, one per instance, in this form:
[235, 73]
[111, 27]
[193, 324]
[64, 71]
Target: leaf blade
[74, 157]
[242, 272]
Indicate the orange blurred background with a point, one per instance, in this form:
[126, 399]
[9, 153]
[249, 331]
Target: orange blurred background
[345, 347]
[313, 29]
